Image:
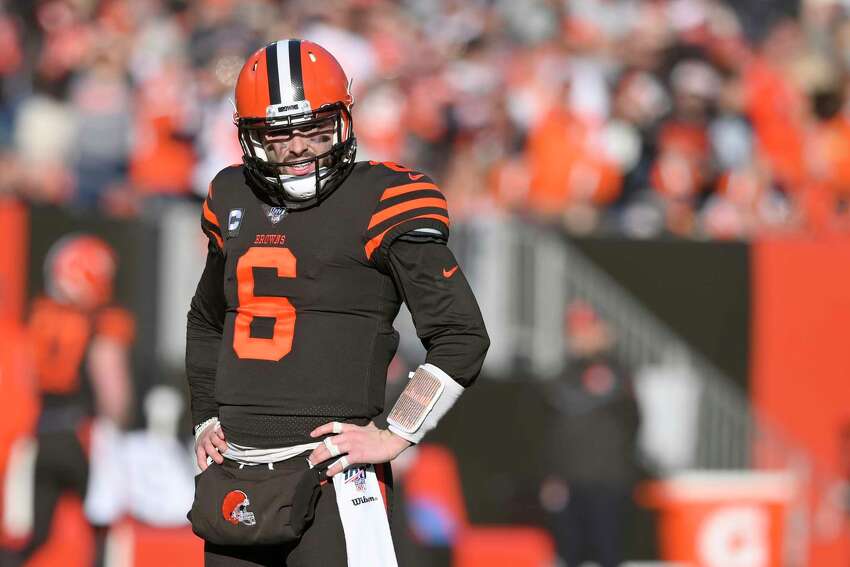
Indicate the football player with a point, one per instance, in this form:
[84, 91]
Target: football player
[80, 343]
[290, 332]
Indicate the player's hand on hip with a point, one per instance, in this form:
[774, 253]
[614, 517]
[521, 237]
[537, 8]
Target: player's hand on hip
[355, 445]
[210, 444]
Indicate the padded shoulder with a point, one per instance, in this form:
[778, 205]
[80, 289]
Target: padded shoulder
[406, 202]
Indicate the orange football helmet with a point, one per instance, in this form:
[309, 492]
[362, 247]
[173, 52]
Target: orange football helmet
[79, 269]
[286, 86]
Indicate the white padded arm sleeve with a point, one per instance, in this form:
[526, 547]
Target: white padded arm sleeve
[424, 401]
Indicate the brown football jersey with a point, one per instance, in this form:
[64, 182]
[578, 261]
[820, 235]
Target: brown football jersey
[308, 298]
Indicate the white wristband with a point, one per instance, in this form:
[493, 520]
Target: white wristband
[425, 400]
[199, 429]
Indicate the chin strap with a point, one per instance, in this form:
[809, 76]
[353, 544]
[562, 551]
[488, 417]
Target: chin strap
[303, 187]
[429, 394]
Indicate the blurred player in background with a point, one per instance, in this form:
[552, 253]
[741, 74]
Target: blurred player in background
[81, 347]
[290, 331]
[592, 444]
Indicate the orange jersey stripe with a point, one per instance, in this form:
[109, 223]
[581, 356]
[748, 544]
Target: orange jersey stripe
[402, 189]
[210, 216]
[217, 238]
[389, 213]
[375, 242]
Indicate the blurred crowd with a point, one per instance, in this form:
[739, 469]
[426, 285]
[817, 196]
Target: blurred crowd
[643, 118]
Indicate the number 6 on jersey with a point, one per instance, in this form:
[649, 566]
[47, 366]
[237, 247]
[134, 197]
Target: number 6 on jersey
[278, 308]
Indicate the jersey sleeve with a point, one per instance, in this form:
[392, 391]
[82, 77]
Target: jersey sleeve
[444, 310]
[205, 320]
[410, 204]
[117, 324]
[210, 223]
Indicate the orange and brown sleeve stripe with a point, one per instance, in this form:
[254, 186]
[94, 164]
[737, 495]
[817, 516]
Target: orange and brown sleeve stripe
[210, 224]
[396, 210]
[391, 192]
[377, 240]
[404, 208]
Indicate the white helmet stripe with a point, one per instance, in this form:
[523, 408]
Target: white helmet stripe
[289, 70]
[285, 88]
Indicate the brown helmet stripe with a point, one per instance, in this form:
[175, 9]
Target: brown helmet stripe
[272, 72]
[295, 69]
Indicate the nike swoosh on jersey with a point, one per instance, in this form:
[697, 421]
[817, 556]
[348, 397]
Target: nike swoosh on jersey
[449, 273]
[416, 177]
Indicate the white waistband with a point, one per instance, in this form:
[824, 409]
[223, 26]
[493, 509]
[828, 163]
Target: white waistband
[251, 456]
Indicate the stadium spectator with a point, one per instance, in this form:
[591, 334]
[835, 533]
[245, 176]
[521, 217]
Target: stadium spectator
[591, 441]
[693, 118]
[103, 100]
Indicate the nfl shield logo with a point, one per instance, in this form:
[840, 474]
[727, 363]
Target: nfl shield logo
[275, 214]
[234, 221]
[356, 475]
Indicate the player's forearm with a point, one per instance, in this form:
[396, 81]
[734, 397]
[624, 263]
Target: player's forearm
[109, 369]
[202, 346]
[459, 353]
[204, 327]
[203, 341]
[202, 402]
[450, 326]
[444, 309]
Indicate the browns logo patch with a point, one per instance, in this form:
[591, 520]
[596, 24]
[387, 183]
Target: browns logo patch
[234, 508]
